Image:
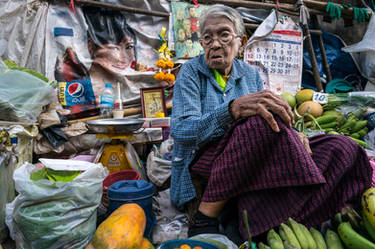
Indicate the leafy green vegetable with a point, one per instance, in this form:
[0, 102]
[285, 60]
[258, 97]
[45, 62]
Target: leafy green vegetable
[54, 175]
[14, 66]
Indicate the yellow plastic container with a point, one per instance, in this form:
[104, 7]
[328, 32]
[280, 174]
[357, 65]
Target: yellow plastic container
[115, 158]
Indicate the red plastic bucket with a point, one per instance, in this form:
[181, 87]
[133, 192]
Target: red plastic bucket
[128, 174]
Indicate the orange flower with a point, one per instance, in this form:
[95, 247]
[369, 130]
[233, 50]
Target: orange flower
[170, 64]
[159, 76]
[161, 63]
[169, 77]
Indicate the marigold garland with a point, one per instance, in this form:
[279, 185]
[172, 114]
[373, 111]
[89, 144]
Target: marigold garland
[164, 61]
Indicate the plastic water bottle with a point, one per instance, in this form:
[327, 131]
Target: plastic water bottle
[106, 101]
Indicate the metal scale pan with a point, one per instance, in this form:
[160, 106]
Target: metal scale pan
[114, 126]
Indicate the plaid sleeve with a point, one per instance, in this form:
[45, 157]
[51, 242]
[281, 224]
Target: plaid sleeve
[188, 124]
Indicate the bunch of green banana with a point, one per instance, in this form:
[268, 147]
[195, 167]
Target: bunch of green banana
[348, 214]
[352, 239]
[287, 234]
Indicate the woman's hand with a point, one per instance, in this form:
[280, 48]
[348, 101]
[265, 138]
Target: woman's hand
[264, 103]
[305, 142]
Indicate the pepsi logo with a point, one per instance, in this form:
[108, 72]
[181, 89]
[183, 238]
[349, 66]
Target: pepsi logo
[76, 89]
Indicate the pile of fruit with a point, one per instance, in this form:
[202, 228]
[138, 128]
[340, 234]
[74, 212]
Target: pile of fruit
[347, 229]
[313, 116]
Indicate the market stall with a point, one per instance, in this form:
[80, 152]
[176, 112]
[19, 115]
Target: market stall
[86, 120]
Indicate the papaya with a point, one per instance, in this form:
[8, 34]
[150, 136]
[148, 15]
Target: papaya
[123, 229]
[146, 244]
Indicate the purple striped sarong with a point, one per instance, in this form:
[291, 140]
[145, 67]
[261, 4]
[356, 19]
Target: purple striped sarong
[273, 177]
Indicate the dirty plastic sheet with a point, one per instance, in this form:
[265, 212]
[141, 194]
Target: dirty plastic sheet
[54, 215]
[366, 50]
[170, 223]
[7, 166]
[22, 95]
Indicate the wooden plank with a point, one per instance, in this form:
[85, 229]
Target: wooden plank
[127, 112]
[322, 50]
[122, 8]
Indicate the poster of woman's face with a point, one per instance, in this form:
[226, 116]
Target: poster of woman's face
[185, 18]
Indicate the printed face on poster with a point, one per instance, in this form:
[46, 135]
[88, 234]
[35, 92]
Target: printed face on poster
[185, 18]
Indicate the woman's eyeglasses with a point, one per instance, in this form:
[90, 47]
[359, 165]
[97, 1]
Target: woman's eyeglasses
[224, 38]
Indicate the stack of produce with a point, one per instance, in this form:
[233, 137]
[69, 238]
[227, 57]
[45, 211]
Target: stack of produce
[311, 115]
[348, 230]
[123, 229]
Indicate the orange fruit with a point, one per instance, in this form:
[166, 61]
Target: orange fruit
[197, 247]
[185, 246]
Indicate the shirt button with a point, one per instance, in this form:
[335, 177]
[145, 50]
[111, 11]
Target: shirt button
[193, 151]
[225, 94]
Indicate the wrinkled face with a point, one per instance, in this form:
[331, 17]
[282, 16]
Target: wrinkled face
[193, 12]
[217, 55]
[115, 58]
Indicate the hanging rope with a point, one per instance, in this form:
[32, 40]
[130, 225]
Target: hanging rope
[304, 14]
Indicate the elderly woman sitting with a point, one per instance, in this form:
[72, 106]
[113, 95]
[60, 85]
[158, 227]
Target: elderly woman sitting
[239, 139]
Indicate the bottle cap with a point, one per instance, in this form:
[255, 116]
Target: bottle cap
[159, 115]
[108, 85]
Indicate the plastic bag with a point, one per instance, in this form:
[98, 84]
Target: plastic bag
[158, 169]
[54, 215]
[7, 166]
[22, 95]
[366, 50]
[217, 239]
[170, 223]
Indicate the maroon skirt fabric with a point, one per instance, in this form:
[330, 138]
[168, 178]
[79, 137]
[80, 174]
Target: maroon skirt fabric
[273, 177]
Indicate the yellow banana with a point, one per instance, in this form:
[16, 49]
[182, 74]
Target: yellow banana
[308, 236]
[369, 228]
[298, 232]
[352, 239]
[368, 205]
[290, 236]
[319, 239]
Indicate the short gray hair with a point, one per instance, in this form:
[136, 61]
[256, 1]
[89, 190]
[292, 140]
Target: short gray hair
[219, 10]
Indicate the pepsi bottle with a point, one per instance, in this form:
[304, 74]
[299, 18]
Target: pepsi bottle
[106, 101]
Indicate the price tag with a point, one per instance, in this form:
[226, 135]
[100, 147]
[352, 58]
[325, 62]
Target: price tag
[321, 98]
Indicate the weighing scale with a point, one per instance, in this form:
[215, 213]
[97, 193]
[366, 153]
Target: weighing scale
[116, 155]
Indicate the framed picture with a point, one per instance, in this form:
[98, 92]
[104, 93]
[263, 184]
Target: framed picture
[153, 102]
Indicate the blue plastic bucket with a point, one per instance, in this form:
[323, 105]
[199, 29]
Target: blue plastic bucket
[133, 191]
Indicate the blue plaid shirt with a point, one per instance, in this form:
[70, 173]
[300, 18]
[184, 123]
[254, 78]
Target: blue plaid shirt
[200, 115]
